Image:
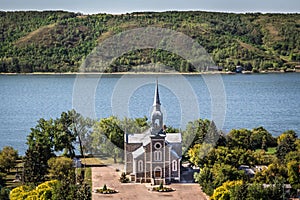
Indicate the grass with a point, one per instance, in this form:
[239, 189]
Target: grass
[88, 176]
[270, 151]
[91, 161]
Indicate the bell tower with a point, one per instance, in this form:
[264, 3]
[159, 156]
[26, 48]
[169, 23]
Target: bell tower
[156, 115]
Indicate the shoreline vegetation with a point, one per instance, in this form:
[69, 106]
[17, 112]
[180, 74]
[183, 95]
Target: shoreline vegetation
[151, 73]
[60, 41]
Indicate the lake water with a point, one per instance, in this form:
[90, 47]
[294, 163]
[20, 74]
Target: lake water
[268, 100]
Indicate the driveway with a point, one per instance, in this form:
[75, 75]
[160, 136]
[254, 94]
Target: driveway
[136, 191]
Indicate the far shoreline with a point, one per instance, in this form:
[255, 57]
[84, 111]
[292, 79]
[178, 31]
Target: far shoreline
[150, 73]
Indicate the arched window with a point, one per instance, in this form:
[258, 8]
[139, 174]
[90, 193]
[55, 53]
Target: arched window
[140, 166]
[157, 156]
[174, 165]
[157, 172]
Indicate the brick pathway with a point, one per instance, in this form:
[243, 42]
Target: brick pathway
[132, 191]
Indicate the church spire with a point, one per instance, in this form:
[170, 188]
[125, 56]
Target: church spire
[156, 116]
[156, 102]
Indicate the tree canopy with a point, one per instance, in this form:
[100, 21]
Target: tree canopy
[58, 41]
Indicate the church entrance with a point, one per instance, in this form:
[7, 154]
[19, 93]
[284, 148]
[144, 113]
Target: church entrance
[157, 172]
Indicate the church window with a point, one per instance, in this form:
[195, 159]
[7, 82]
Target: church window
[156, 123]
[140, 166]
[157, 145]
[174, 165]
[157, 156]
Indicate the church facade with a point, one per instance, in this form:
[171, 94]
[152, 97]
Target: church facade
[153, 156]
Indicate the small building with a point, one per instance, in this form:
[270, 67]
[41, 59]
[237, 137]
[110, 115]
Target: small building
[297, 68]
[239, 69]
[214, 68]
[248, 171]
[153, 156]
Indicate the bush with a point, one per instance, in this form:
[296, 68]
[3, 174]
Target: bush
[123, 178]
[4, 194]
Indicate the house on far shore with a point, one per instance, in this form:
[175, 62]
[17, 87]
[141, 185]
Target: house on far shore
[153, 156]
[297, 68]
[239, 69]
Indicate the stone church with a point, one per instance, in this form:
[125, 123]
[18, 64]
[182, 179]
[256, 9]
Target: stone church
[153, 156]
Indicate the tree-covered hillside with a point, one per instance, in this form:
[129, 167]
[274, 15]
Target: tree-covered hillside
[58, 41]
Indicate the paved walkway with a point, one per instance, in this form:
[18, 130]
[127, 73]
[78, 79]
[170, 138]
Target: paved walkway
[133, 191]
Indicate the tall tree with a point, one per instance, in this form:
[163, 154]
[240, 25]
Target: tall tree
[40, 150]
[8, 157]
[261, 139]
[286, 143]
[108, 137]
[195, 133]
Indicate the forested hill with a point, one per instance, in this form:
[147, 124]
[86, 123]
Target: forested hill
[58, 41]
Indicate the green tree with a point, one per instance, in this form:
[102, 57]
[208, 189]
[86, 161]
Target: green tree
[8, 157]
[108, 137]
[223, 192]
[137, 125]
[4, 193]
[61, 168]
[262, 139]
[205, 179]
[286, 143]
[293, 169]
[195, 133]
[43, 191]
[239, 138]
[223, 172]
[274, 172]
[40, 150]
[212, 177]
[2, 179]
[199, 154]
[256, 191]
[71, 126]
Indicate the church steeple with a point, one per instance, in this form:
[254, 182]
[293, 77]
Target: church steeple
[156, 115]
[156, 103]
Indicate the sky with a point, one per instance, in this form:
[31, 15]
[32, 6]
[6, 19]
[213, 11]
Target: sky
[128, 6]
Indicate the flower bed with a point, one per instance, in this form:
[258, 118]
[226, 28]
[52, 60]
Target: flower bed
[106, 190]
[161, 188]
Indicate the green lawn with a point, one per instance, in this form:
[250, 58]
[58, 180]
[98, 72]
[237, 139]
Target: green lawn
[271, 150]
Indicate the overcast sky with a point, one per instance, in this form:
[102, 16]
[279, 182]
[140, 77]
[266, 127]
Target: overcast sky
[124, 6]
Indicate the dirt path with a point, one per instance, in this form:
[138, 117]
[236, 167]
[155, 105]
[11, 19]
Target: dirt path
[132, 191]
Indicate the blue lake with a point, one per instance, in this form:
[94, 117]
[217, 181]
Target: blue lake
[268, 100]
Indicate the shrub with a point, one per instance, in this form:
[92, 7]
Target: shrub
[123, 178]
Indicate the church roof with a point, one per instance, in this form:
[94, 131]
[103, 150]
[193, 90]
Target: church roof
[145, 138]
[138, 152]
[173, 137]
[174, 153]
[139, 138]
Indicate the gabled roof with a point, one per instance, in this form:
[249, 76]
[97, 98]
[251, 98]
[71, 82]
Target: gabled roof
[145, 138]
[173, 137]
[138, 138]
[138, 152]
[174, 153]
